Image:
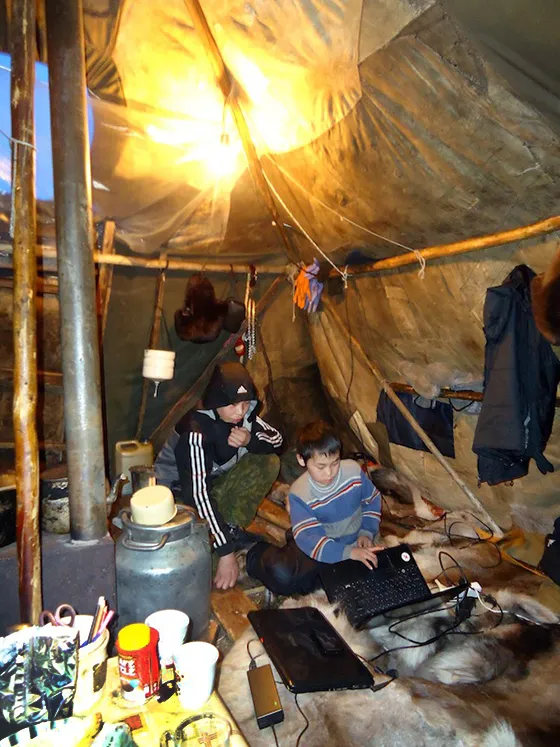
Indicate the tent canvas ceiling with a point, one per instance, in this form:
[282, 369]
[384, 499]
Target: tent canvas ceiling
[409, 121]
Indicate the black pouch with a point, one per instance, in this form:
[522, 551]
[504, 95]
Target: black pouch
[436, 420]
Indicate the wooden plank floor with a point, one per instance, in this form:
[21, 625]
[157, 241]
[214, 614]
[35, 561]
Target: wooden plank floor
[230, 609]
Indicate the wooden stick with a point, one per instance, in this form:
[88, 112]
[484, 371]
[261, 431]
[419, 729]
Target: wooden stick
[152, 344]
[174, 265]
[444, 392]
[419, 430]
[224, 81]
[462, 394]
[24, 311]
[50, 379]
[189, 397]
[358, 425]
[42, 445]
[400, 260]
[45, 285]
[459, 247]
[105, 278]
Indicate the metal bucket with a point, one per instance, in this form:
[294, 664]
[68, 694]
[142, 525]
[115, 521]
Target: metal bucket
[164, 567]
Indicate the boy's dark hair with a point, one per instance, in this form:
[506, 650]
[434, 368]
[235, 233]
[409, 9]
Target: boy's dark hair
[318, 437]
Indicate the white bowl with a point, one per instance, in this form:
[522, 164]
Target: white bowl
[153, 505]
[159, 354]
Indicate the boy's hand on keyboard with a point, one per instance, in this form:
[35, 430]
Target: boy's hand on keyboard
[366, 555]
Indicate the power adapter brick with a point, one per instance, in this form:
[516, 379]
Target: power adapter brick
[266, 701]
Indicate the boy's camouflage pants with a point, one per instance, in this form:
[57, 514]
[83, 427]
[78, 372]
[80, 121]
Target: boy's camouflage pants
[239, 492]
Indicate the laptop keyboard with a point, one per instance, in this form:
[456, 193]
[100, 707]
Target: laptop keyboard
[366, 597]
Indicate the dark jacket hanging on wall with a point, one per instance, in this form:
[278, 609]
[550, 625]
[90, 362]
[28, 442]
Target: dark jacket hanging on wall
[521, 374]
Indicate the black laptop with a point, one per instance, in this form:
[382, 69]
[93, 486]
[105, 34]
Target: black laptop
[394, 590]
[307, 651]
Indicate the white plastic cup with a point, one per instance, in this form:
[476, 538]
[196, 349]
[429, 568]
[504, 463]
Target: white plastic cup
[195, 666]
[172, 627]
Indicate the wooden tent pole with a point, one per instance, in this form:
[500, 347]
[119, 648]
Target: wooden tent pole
[460, 247]
[153, 343]
[182, 405]
[400, 260]
[444, 393]
[498, 534]
[179, 265]
[28, 536]
[225, 83]
[105, 279]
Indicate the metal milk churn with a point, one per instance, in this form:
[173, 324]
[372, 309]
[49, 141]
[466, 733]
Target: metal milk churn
[164, 567]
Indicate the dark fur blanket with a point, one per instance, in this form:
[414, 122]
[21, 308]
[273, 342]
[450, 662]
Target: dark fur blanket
[498, 688]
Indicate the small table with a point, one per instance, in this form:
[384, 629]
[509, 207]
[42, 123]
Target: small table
[159, 717]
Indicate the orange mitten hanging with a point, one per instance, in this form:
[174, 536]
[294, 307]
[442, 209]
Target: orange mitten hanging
[307, 289]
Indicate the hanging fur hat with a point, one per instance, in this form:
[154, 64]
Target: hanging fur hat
[545, 299]
[203, 317]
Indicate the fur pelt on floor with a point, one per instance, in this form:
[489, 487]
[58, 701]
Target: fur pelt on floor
[497, 687]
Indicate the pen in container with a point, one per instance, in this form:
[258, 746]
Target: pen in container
[97, 617]
[104, 623]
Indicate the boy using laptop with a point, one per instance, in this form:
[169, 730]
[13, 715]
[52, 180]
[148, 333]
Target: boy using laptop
[335, 512]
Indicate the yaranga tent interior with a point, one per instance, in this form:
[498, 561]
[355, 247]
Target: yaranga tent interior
[410, 147]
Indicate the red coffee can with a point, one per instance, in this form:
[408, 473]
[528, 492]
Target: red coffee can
[138, 662]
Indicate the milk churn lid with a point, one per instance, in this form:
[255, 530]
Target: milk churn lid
[180, 526]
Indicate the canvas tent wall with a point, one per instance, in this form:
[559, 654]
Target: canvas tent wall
[423, 122]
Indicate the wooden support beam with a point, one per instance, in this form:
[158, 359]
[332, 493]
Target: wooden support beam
[51, 380]
[386, 386]
[45, 285]
[444, 393]
[224, 81]
[468, 395]
[400, 260]
[24, 310]
[188, 399]
[153, 343]
[42, 445]
[459, 247]
[105, 278]
[49, 254]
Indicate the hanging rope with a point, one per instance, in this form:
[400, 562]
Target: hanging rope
[416, 252]
[313, 243]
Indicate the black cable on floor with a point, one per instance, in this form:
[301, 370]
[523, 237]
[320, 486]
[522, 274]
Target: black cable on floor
[306, 722]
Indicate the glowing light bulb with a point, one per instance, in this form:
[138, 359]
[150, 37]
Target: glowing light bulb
[225, 159]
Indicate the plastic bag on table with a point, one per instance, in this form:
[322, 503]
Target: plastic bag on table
[38, 671]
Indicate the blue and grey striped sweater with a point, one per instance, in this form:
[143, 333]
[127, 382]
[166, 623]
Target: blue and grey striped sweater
[327, 521]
